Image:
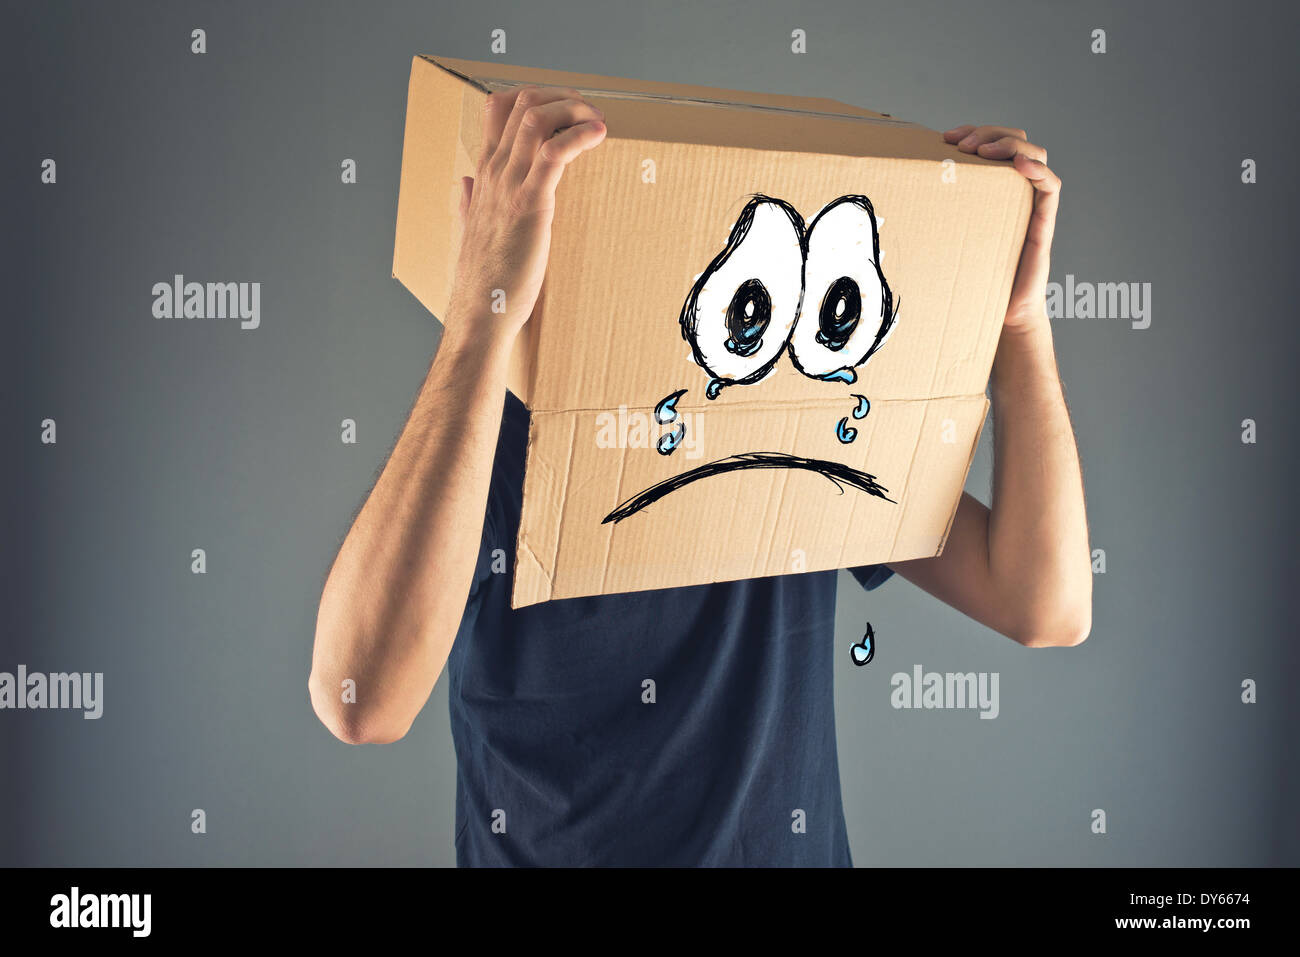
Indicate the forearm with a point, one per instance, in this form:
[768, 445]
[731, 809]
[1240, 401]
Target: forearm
[1038, 550]
[394, 598]
[393, 601]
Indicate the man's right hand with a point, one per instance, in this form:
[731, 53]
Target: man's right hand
[530, 135]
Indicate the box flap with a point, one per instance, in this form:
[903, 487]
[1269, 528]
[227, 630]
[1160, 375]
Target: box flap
[490, 76]
[681, 113]
[742, 523]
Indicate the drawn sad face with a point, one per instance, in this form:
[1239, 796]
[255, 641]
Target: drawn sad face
[816, 291]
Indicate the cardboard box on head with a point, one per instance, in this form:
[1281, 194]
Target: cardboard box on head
[764, 337]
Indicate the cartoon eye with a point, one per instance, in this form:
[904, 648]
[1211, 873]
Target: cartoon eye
[847, 310]
[740, 311]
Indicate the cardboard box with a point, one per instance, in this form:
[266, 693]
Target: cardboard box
[774, 246]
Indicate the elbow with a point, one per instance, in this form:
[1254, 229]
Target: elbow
[349, 721]
[1064, 636]
[1061, 628]
[1057, 612]
[347, 713]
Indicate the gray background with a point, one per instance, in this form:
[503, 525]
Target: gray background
[175, 435]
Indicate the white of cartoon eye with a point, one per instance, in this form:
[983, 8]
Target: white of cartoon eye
[847, 310]
[740, 311]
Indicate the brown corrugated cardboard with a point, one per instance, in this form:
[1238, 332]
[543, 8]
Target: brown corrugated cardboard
[787, 479]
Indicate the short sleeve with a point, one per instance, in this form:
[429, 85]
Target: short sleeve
[872, 576]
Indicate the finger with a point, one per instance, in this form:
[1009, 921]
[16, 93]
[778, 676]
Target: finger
[466, 193]
[958, 132]
[984, 134]
[1038, 174]
[1009, 146]
[496, 111]
[540, 123]
[529, 96]
[1047, 190]
[1035, 257]
[554, 156]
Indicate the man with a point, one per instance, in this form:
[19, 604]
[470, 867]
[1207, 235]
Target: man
[684, 726]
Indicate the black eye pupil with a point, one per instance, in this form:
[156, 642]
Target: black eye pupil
[840, 311]
[748, 317]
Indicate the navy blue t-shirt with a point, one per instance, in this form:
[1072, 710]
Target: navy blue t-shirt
[558, 748]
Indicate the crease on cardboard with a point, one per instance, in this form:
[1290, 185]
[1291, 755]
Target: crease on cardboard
[947, 311]
[773, 495]
[768, 405]
[907, 481]
[536, 574]
[731, 519]
[529, 579]
[781, 505]
[525, 357]
[609, 536]
[857, 500]
[785, 476]
[844, 538]
[760, 557]
[453, 71]
[564, 499]
[974, 447]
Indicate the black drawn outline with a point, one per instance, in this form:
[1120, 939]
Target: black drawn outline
[688, 318]
[838, 473]
[868, 642]
[669, 442]
[668, 403]
[888, 306]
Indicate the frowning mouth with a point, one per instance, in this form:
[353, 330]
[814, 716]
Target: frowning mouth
[837, 473]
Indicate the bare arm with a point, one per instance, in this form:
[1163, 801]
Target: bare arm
[394, 597]
[1022, 567]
